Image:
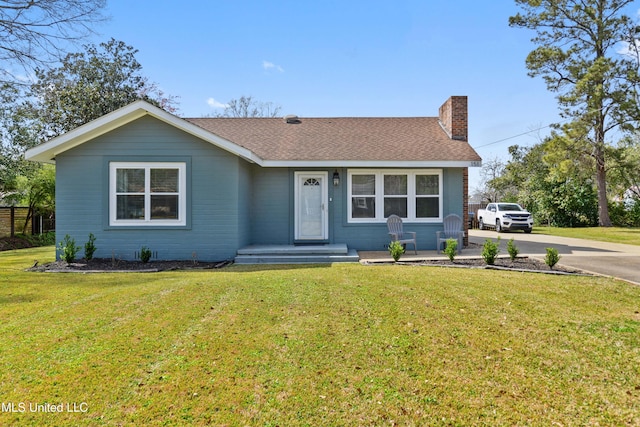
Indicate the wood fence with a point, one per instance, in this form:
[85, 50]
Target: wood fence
[473, 218]
[12, 219]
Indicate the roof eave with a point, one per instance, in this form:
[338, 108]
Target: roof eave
[374, 163]
[47, 152]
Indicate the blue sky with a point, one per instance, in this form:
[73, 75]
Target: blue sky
[343, 58]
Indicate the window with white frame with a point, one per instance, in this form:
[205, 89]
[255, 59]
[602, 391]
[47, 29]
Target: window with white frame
[147, 194]
[413, 194]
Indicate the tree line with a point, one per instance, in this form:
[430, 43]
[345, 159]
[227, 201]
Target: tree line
[587, 172]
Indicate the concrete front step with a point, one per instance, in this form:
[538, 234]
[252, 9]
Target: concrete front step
[290, 254]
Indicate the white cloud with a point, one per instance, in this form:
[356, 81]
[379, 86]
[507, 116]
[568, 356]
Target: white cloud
[267, 65]
[629, 50]
[216, 104]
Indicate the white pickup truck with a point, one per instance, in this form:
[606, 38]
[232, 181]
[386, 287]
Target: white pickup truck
[505, 216]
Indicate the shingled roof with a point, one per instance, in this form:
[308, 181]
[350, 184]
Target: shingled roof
[274, 142]
[388, 139]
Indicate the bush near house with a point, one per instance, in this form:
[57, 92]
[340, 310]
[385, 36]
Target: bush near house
[68, 249]
[552, 257]
[396, 249]
[512, 249]
[451, 249]
[490, 251]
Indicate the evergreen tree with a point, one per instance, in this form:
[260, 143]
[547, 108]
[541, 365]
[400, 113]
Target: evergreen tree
[578, 55]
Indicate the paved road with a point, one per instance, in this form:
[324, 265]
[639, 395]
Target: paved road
[609, 259]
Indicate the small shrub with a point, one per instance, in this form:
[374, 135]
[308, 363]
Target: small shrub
[396, 250]
[145, 254]
[44, 239]
[68, 249]
[47, 239]
[90, 247]
[512, 249]
[490, 251]
[451, 249]
[552, 257]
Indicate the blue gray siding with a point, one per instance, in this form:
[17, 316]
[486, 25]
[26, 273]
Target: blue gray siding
[273, 215]
[272, 206]
[375, 236]
[231, 203]
[245, 192]
[215, 226]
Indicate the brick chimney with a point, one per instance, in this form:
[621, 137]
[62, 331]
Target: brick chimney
[453, 117]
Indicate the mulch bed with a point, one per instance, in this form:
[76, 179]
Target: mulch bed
[98, 265]
[525, 264]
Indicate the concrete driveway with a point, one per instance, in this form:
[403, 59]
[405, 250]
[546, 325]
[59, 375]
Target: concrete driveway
[608, 259]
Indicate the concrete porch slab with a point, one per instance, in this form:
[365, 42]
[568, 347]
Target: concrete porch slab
[336, 248]
[296, 254]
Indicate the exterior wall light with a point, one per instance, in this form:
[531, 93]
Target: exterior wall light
[336, 178]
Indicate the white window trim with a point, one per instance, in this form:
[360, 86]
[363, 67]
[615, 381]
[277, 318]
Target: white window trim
[147, 166]
[379, 193]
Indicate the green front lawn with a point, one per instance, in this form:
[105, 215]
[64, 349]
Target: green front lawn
[316, 346]
[629, 236]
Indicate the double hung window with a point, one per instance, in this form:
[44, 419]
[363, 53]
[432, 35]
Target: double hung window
[415, 195]
[147, 194]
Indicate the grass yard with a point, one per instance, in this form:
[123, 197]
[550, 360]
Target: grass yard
[629, 236]
[342, 345]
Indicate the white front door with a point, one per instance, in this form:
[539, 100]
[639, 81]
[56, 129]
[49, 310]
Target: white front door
[311, 203]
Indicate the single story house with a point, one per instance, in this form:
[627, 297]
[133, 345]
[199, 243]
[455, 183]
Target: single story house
[207, 188]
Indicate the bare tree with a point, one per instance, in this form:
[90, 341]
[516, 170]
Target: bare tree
[246, 106]
[490, 173]
[35, 33]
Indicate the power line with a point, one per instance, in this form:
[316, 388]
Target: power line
[514, 136]
[533, 130]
